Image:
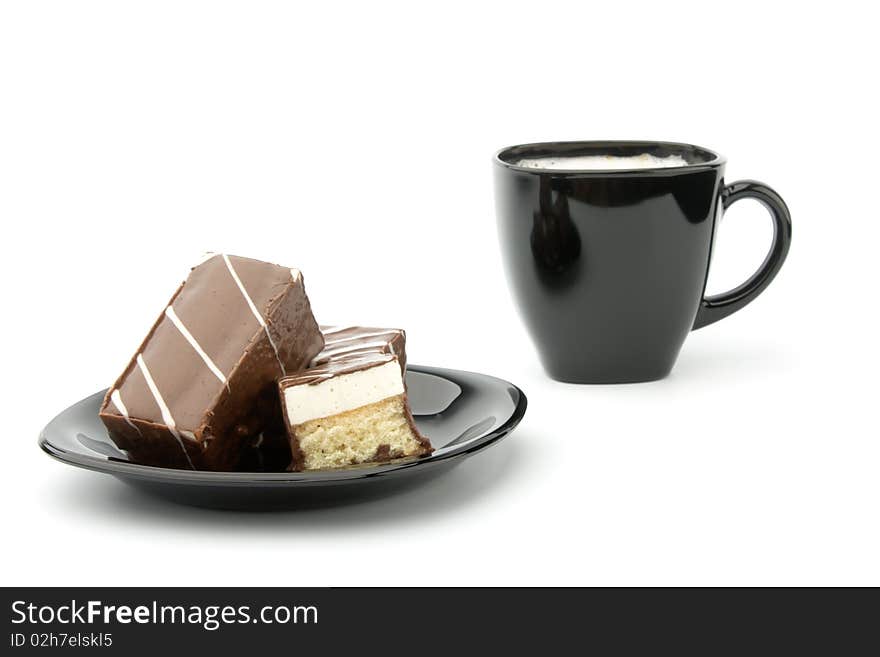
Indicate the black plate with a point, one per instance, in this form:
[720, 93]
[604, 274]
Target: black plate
[461, 412]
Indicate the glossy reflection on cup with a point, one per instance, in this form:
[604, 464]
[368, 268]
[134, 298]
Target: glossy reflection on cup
[606, 246]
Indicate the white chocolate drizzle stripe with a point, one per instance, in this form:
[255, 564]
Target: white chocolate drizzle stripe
[116, 398]
[254, 310]
[170, 314]
[354, 346]
[207, 256]
[329, 330]
[360, 336]
[167, 418]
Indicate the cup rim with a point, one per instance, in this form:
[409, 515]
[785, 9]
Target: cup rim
[539, 149]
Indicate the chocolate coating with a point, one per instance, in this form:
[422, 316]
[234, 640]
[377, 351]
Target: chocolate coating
[335, 367]
[346, 341]
[235, 326]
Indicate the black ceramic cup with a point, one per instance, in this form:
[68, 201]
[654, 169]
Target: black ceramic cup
[609, 266]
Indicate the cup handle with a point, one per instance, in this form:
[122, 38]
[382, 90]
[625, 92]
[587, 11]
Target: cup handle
[720, 306]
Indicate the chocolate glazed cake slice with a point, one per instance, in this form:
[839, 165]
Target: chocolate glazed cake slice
[350, 407]
[202, 383]
[272, 450]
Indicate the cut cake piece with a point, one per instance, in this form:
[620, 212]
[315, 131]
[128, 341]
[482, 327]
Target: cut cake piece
[202, 384]
[349, 411]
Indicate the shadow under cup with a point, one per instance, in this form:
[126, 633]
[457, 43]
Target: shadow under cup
[608, 266]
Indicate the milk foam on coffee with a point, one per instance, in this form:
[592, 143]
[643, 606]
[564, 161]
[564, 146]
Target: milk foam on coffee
[602, 162]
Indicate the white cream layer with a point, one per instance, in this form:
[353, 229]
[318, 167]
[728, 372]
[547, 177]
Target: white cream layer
[342, 393]
[603, 162]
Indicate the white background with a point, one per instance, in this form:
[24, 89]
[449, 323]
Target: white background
[354, 142]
